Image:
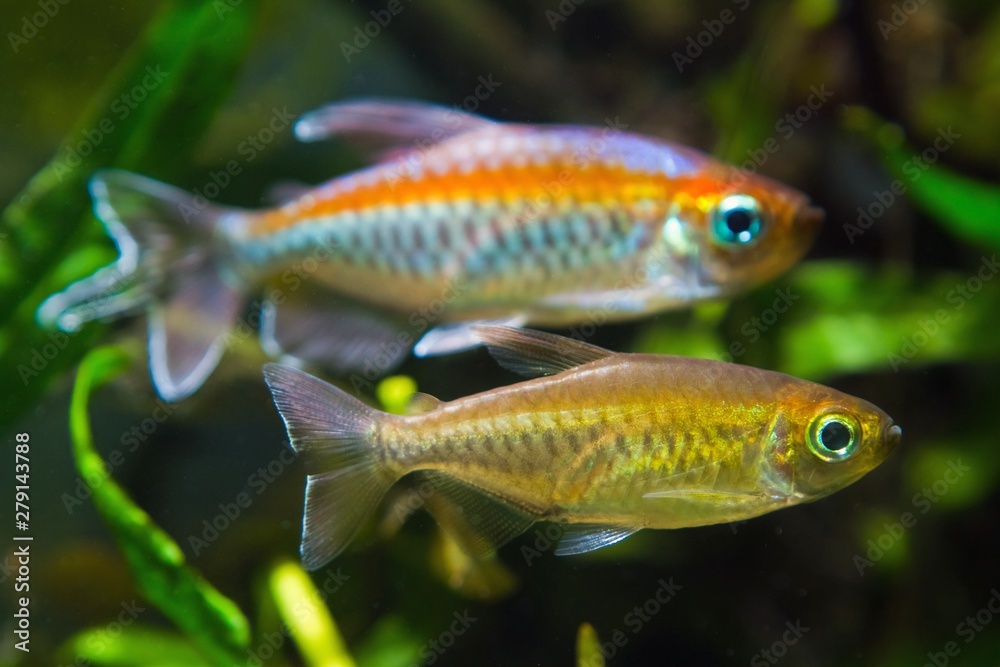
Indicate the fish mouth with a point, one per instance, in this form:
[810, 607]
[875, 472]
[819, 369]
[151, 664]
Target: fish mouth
[810, 218]
[892, 435]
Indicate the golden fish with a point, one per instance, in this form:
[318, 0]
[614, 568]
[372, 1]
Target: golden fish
[607, 443]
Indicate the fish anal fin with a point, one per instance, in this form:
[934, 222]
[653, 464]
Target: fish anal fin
[535, 353]
[326, 329]
[581, 538]
[480, 522]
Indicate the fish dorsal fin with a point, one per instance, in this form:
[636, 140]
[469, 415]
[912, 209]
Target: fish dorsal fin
[457, 336]
[584, 537]
[421, 403]
[387, 125]
[534, 353]
[478, 520]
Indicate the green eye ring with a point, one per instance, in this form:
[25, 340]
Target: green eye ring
[737, 221]
[834, 437]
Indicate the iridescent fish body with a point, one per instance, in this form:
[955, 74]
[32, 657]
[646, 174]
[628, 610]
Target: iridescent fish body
[605, 443]
[463, 220]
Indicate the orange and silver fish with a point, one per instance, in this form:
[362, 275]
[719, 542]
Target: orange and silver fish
[605, 443]
[463, 220]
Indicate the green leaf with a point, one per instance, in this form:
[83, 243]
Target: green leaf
[212, 621]
[968, 208]
[134, 646]
[846, 318]
[588, 647]
[184, 64]
[308, 620]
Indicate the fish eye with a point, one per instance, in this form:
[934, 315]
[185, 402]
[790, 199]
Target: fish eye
[737, 221]
[834, 437]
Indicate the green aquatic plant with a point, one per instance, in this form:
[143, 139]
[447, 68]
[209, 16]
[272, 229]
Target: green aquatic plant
[209, 619]
[185, 64]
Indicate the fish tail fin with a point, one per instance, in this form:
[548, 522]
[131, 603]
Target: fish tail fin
[173, 264]
[337, 435]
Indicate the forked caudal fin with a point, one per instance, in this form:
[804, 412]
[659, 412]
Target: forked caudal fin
[335, 432]
[172, 265]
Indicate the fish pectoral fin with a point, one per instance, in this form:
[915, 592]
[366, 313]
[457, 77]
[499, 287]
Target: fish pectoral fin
[714, 498]
[535, 353]
[457, 336]
[581, 538]
[479, 521]
[382, 126]
[326, 329]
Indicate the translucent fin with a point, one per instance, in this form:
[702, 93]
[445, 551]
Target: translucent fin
[187, 334]
[479, 521]
[534, 353]
[421, 403]
[325, 329]
[457, 336]
[335, 433]
[697, 486]
[170, 263]
[716, 498]
[581, 538]
[381, 125]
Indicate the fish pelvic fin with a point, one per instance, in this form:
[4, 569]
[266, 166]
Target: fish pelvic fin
[479, 521]
[336, 434]
[172, 264]
[536, 353]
